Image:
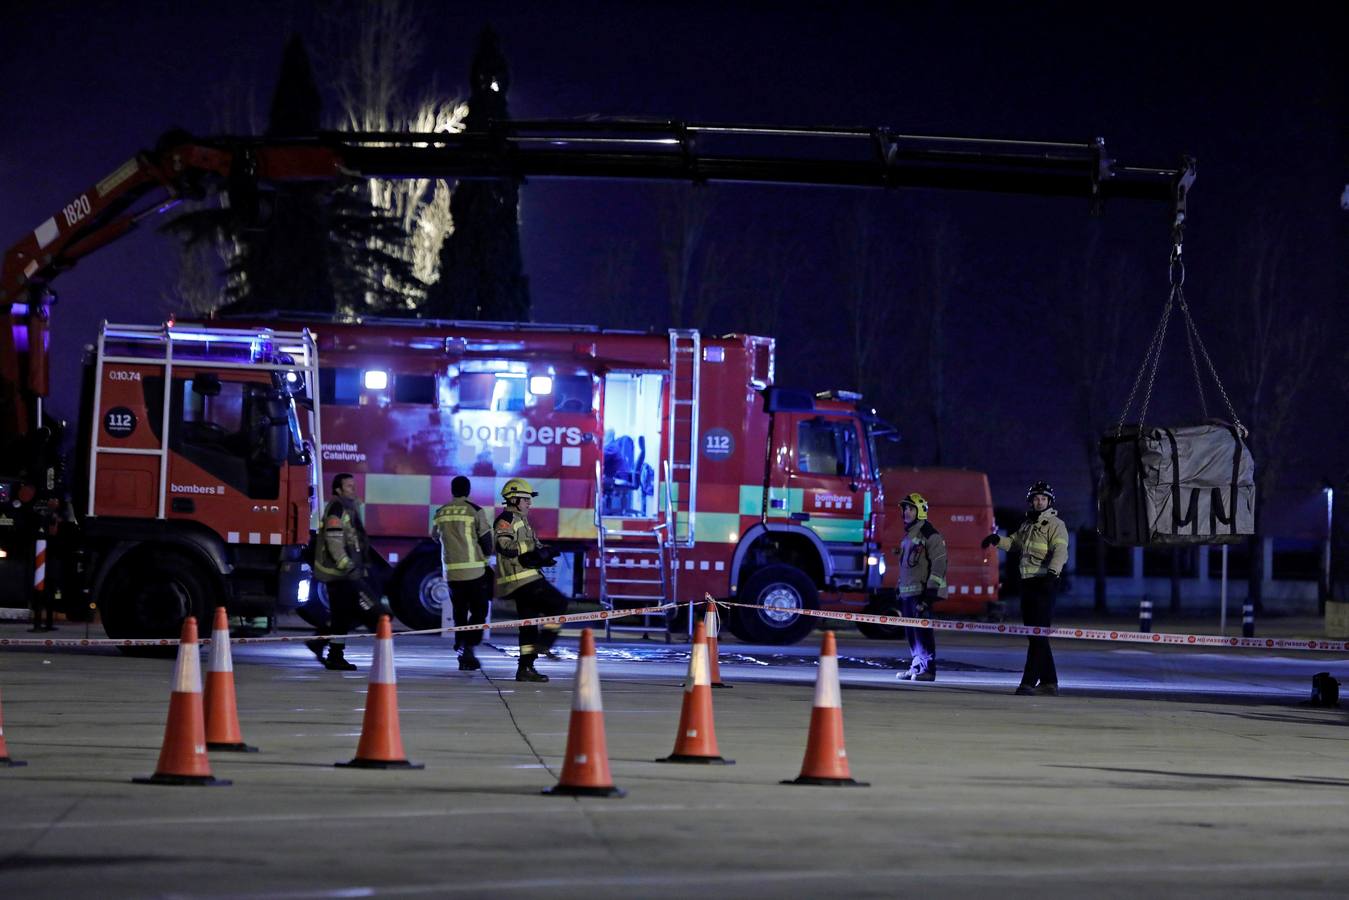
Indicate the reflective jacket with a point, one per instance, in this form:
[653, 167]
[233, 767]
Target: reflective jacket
[922, 560]
[514, 537]
[464, 530]
[1043, 542]
[343, 544]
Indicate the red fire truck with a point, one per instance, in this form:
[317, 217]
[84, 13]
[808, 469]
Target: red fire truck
[668, 465]
[787, 527]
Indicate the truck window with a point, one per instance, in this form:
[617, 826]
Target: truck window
[221, 414]
[496, 391]
[573, 394]
[828, 447]
[339, 386]
[418, 389]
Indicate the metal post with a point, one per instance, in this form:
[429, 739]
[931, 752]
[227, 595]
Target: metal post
[1222, 603]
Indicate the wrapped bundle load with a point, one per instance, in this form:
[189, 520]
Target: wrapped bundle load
[1194, 484]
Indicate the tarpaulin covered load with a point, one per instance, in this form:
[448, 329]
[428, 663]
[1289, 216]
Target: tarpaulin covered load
[1194, 484]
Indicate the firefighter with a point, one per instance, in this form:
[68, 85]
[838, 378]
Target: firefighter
[340, 559]
[519, 558]
[1042, 540]
[464, 530]
[922, 582]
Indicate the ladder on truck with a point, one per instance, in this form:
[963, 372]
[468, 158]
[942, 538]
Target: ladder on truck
[633, 572]
[640, 566]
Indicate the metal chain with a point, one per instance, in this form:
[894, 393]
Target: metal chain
[1190, 334]
[1213, 372]
[1153, 356]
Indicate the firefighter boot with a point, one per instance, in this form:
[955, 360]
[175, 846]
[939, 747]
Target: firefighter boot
[548, 637]
[337, 660]
[468, 661]
[928, 673]
[317, 646]
[526, 670]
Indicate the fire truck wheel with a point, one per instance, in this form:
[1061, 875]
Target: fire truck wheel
[422, 592]
[148, 596]
[882, 606]
[785, 590]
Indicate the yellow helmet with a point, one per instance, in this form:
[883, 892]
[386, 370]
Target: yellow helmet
[517, 487]
[918, 502]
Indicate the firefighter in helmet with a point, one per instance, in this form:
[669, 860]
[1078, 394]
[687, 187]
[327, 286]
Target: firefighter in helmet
[1042, 540]
[922, 582]
[520, 556]
[340, 559]
[464, 530]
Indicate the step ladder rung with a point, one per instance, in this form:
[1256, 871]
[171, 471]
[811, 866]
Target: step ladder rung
[642, 597]
[634, 581]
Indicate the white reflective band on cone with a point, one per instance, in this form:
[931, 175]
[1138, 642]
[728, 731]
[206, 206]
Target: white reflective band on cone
[221, 660]
[826, 684]
[699, 671]
[381, 672]
[587, 697]
[187, 678]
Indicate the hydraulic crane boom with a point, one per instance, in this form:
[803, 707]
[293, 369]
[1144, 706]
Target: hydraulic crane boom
[183, 167]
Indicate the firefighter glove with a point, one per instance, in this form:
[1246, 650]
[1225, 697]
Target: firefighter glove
[990, 541]
[930, 596]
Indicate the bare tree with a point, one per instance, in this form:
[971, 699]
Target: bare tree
[938, 283]
[1094, 321]
[1281, 344]
[611, 300]
[868, 293]
[373, 48]
[683, 211]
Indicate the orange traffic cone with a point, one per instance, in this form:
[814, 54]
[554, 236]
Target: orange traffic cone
[381, 744]
[222, 712]
[826, 760]
[4, 748]
[585, 770]
[182, 758]
[712, 620]
[696, 741]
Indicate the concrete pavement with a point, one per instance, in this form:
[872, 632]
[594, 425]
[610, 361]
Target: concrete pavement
[1224, 785]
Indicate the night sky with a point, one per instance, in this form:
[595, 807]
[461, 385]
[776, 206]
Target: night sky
[1256, 96]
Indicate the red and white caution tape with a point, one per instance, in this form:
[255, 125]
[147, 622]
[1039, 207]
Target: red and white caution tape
[568, 618]
[1077, 634]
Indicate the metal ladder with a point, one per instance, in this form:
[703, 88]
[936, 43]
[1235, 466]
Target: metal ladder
[633, 572]
[681, 476]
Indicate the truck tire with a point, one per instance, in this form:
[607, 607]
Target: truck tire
[784, 588]
[148, 594]
[882, 605]
[419, 593]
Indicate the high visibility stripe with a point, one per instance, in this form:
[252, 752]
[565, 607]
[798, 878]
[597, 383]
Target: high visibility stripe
[826, 684]
[936, 581]
[381, 672]
[187, 677]
[699, 669]
[908, 590]
[454, 567]
[505, 579]
[452, 518]
[221, 660]
[587, 697]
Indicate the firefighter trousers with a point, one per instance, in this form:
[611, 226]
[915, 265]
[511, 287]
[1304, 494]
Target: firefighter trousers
[470, 600]
[538, 598]
[922, 641]
[1037, 608]
[351, 602]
